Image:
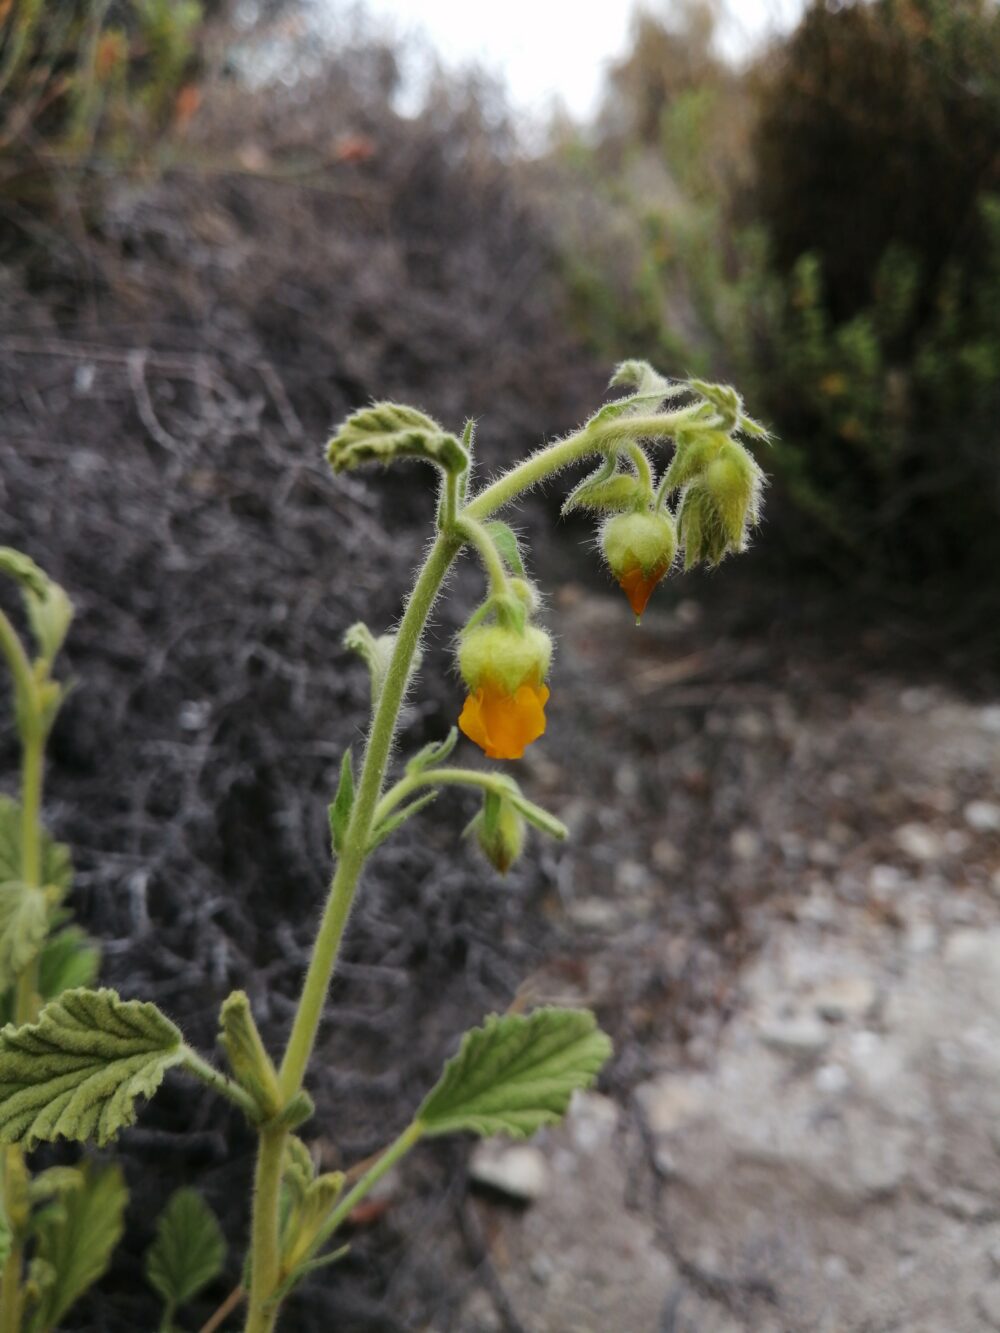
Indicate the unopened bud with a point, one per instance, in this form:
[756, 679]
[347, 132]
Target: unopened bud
[719, 508]
[639, 549]
[500, 830]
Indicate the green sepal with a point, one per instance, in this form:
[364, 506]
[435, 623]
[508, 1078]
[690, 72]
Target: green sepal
[56, 867]
[78, 1072]
[433, 754]
[505, 540]
[308, 1200]
[342, 804]
[46, 603]
[516, 1073]
[74, 1242]
[248, 1059]
[386, 432]
[303, 1270]
[189, 1249]
[397, 818]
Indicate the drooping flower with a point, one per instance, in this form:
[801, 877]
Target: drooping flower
[505, 671]
[500, 830]
[639, 549]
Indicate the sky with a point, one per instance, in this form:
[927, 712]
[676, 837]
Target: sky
[547, 49]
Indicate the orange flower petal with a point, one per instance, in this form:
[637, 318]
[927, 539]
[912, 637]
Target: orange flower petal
[502, 724]
[638, 587]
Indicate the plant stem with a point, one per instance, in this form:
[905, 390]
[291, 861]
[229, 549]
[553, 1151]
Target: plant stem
[265, 1250]
[441, 777]
[488, 553]
[395, 1151]
[216, 1080]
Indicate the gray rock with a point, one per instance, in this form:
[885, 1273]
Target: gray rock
[920, 842]
[800, 1038]
[988, 1303]
[842, 999]
[521, 1171]
[670, 1102]
[983, 816]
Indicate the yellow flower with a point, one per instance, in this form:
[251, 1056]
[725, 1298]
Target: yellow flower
[505, 671]
[502, 724]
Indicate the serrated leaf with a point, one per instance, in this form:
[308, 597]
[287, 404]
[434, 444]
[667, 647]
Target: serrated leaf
[75, 1242]
[248, 1059]
[24, 921]
[434, 753]
[392, 822]
[387, 431]
[56, 866]
[342, 804]
[516, 1073]
[49, 609]
[505, 540]
[189, 1249]
[78, 1072]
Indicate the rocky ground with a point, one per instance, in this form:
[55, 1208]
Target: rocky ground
[803, 1131]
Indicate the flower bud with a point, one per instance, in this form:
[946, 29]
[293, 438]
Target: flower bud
[505, 670]
[639, 549]
[719, 508]
[500, 830]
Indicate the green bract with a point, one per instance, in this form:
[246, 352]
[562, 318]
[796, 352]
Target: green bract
[644, 540]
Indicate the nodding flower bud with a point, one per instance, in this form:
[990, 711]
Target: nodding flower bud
[720, 506]
[500, 831]
[505, 670]
[639, 549]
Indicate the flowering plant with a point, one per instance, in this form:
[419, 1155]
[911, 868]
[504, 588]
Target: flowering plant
[74, 1060]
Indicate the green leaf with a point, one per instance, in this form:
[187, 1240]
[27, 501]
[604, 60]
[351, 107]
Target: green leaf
[434, 753]
[387, 431]
[75, 1241]
[6, 1236]
[376, 653]
[56, 867]
[24, 922]
[392, 822]
[505, 540]
[248, 1059]
[607, 495]
[516, 1073]
[69, 959]
[49, 609]
[79, 1070]
[188, 1251]
[343, 804]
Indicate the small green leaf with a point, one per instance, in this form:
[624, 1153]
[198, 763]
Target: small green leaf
[606, 495]
[75, 1241]
[56, 868]
[54, 1181]
[248, 1059]
[434, 753]
[69, 959]
[376, 653]
[387, 431]
[78, 1072]
[392, 822]
[188, 1251]
[505, 540]
[640, 376]
[49, 609]
[516, 1073]
[24, 921]
[343, 804]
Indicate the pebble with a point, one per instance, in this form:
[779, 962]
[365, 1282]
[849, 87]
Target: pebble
[983, 816]
[919, 841]
[844, 998]
[592, 1120]
[668, 1103]
[800, 1038]
[988, 1301]
[832, 1080]
[521, 1172]
[745, 844]
[595, 914]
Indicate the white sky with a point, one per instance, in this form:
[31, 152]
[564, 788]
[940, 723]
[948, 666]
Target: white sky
[549, 48]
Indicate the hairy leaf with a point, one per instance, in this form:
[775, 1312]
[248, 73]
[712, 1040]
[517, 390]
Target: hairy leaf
[606, 495]
[516, 1073]
[24, 920]
[248, 1059]
[505, 540]
[397, 819]
[75, 1240]
[188, 1251]
[69, 959]
[79, 1070]
[56, 867]
[387, 431]
[343, 804]
[436, 752]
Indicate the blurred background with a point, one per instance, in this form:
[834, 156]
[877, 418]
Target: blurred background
[223, 225]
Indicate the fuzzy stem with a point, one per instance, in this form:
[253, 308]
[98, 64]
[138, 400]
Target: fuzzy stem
[265, 1242]
[218, 1082]
[488, 553]
[386, 1161]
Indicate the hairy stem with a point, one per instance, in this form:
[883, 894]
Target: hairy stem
[265, 1247]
